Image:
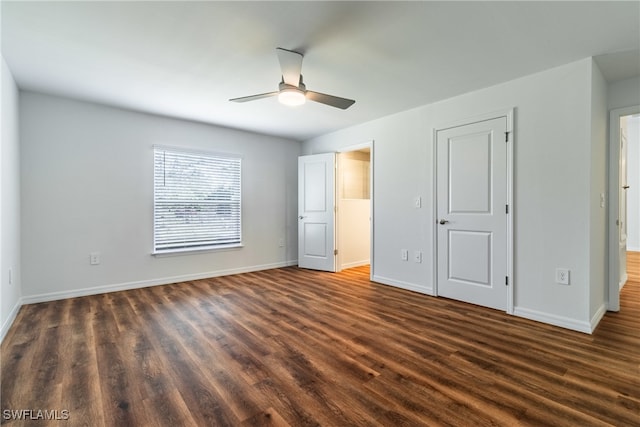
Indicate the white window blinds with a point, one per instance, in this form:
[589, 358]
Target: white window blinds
[196, 200]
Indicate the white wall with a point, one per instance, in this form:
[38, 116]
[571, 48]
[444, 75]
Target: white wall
[354, 232]
[633, 174]
[553, 193]
[87, 185]
[598, 293]
[9, 203]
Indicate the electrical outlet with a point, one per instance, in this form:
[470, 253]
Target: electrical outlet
[281, 242]
[562, 276]
[404, 254]
[418, 202]
[417, 256]
[94, 258]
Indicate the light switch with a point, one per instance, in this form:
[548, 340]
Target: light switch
[94, 258]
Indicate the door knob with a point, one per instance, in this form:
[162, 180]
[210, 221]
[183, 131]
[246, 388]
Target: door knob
[625, 187]
[301, 217]
[443, 221]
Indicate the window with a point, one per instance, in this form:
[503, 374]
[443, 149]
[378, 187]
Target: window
[196, 200]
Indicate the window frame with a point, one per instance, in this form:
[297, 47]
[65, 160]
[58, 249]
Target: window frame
[205, 248]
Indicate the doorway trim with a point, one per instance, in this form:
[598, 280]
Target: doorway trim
[356, 147]
[613, 297]
[508, 113]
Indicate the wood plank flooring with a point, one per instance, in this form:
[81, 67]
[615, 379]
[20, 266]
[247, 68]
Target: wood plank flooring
[292, 347]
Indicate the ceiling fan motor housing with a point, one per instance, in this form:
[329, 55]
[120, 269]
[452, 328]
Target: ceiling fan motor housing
[292, 95]
[300, 88]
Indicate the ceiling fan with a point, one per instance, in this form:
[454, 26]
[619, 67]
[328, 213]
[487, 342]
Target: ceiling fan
[292, 90]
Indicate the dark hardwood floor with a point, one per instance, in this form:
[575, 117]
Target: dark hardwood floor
[298, 347]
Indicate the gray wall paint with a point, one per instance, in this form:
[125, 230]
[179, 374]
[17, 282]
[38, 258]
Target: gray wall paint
[87, 185]
[553, 188]
[625, 93]
[9, 203]
[598, 264]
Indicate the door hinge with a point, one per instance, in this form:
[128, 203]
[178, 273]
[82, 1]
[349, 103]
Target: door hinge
[506, 209]
[506, 280]
[335, 252]
[506, 136]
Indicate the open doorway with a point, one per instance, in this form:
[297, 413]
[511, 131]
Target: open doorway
[624, 197]
[354, 207]
[632, 192]
[335, 209]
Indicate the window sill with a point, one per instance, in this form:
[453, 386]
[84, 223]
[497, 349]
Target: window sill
[193, 251]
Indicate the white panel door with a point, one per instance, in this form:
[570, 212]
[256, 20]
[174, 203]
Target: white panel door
[471, 213]
[316, 214]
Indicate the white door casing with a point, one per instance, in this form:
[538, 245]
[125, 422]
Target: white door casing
[473, 189]
[316, 212]
[615, 184]
[622, 210]
[353, 207]
[339, 235]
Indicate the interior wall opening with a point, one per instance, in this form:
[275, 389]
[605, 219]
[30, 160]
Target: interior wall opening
[630, 198]
[624, 200]
[354, 208]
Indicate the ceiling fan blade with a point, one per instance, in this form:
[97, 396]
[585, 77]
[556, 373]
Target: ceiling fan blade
[334, 101]
[291, 66]
[254, 97]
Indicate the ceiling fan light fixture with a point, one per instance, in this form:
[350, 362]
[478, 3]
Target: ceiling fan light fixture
[292, 91]
[291, 97]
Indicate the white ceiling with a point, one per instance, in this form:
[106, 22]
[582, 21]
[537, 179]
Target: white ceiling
[186, 59]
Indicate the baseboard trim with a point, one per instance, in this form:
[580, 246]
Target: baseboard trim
[12, 317]
[355, 264]
[52, 296]
[552, 319]
[623, 280]
[597, 317]
[404, 285]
